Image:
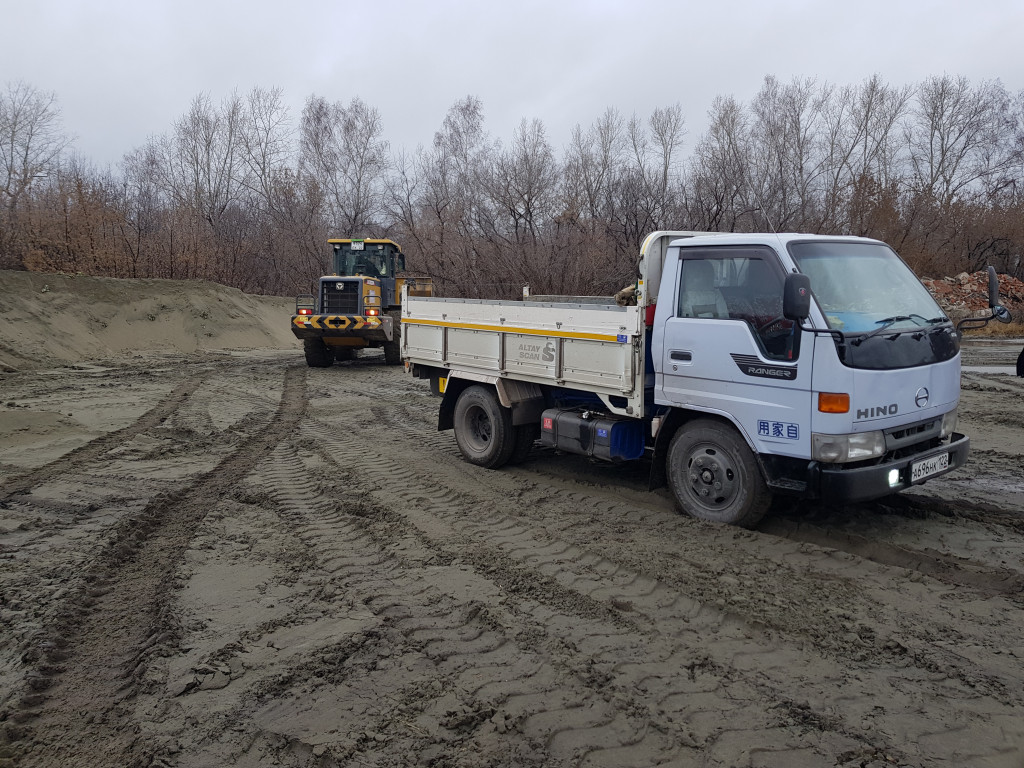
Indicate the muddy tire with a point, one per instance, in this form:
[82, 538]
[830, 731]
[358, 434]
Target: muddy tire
[525, 436]
[393, 348]
[714, 476]
[318, 354]
[483, 428]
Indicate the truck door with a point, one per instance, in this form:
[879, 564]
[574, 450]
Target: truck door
[727, 349]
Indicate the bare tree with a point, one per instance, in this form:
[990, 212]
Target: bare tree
[436, 198]
[201, 159]
[956, 139]
[863, 152]
[266, 141]
[593, 162]
[31, 139]
[522, 185]
[31, 143]
[789, 166]
[343, 149]
[719, 194]
[143, 207]
[650, 179]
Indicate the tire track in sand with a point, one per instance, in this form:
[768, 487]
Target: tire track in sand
[73, 710]
[458, 644]
[484, 537]
[96, 448]
[625, 637]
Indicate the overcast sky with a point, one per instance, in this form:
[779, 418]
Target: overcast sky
[125, 70]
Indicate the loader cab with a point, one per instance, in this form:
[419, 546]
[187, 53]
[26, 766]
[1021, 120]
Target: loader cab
[379, 260]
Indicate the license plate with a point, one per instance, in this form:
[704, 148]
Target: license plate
[919, 470]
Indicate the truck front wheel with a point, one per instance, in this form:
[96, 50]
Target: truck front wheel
[318, 354]
[483, 428]
[714, 476]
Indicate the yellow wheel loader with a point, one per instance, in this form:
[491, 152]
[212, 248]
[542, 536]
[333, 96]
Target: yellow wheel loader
[358, 306]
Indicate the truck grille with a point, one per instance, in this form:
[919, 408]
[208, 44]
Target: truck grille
[340, 297]
[913, 436]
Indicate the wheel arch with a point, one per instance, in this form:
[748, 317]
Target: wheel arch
[673, 421]
[525, 400]
[446, 412]
[726, 481]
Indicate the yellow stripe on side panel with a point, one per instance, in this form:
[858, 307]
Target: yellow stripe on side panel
[513, 329]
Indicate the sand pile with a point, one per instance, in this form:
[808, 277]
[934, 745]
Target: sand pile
[50, 319]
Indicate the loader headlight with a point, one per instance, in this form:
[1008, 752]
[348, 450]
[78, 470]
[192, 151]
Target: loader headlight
[949, 421]
[838, 449]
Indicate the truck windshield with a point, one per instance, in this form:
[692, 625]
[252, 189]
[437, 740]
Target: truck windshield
[865, 287]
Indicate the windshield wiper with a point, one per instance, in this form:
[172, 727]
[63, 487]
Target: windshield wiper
[882, 325]
[889, 321]
[939, 324]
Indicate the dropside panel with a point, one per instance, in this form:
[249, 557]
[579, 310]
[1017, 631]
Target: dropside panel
[595, 347]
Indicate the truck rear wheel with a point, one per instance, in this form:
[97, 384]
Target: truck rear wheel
[318, 354]
[483, 428]
[714, 476]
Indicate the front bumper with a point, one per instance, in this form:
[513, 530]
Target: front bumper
[343, 326]
[866, 483]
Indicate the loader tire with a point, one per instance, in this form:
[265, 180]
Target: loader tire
[393, 348]
[318, 354]
[483, 428]
[714, 475]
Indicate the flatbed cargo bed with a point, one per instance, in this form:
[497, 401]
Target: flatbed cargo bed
[590, 346]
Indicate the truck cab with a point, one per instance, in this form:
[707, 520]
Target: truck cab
[853, 400]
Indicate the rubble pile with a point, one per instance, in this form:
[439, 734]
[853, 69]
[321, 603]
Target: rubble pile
[966, 295]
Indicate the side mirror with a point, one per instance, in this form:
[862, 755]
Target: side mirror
[999, 312]
[993, 288]
[796, 297]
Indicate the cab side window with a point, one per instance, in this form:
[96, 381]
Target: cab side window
[700, 296]
[739, 284]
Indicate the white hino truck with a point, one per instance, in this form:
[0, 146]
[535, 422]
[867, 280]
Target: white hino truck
[744, 366]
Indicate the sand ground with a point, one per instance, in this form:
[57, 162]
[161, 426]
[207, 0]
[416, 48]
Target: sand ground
[211, 555]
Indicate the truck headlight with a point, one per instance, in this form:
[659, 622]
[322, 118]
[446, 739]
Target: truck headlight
[949, 421]
[837, 449]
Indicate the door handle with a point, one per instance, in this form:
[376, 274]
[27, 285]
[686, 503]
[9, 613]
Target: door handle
[684, 356]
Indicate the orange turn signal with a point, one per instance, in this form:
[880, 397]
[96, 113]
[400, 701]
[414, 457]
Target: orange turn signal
[833, 402]
[372, 312]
